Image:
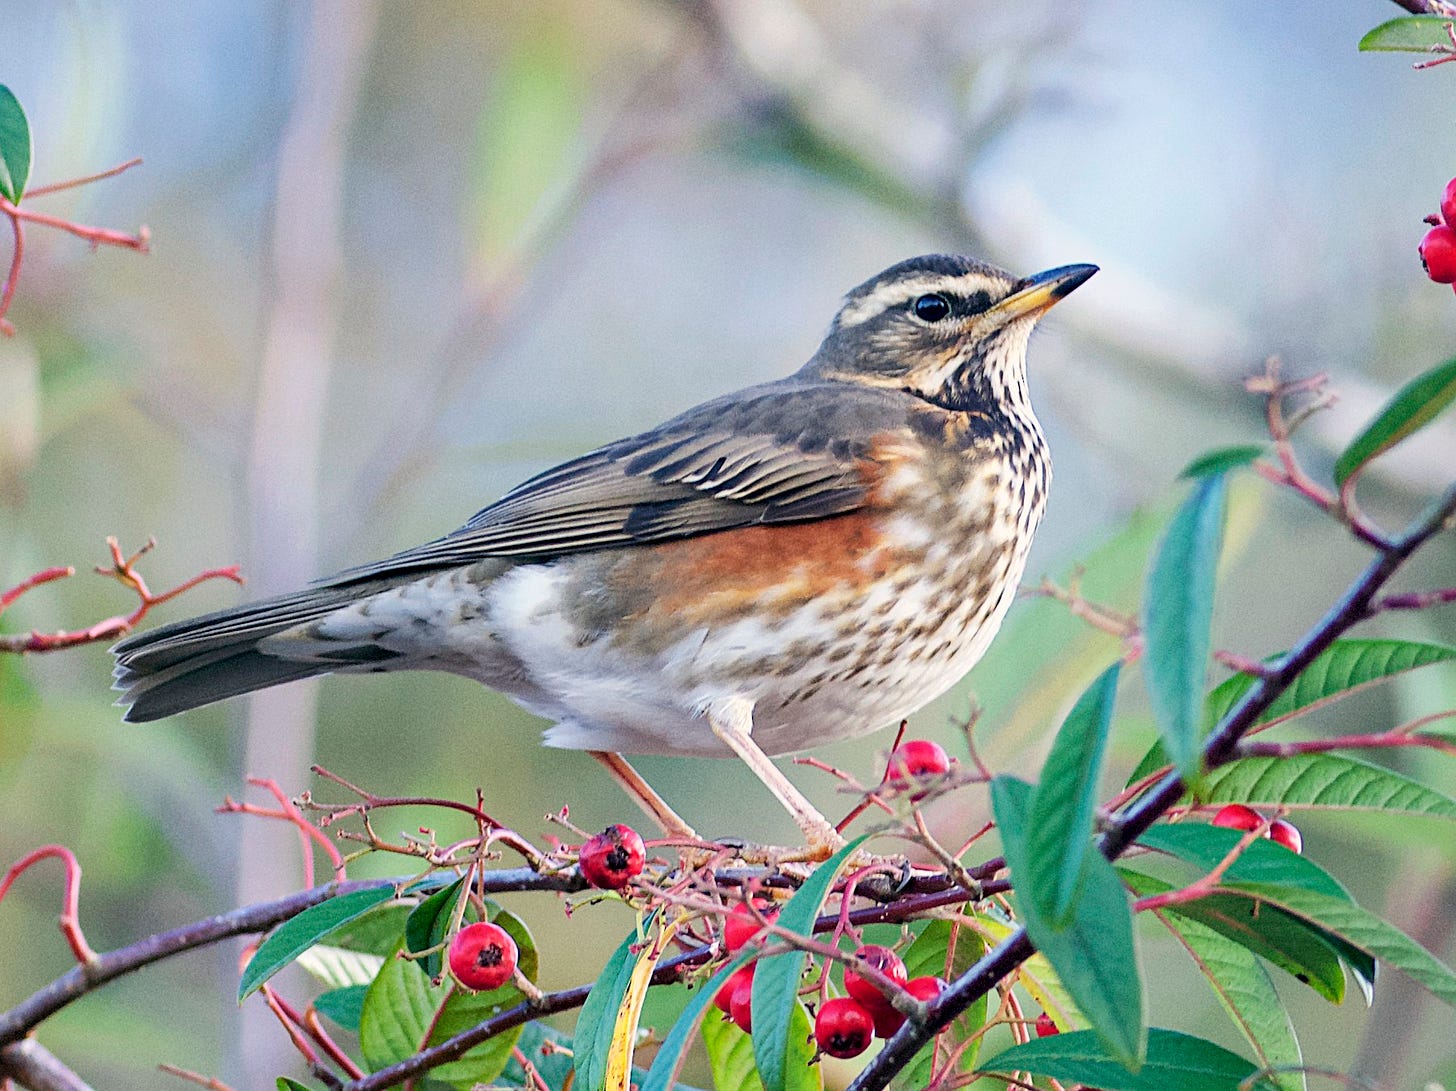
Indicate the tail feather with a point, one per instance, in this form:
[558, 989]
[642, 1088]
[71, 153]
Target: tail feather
[205, 659]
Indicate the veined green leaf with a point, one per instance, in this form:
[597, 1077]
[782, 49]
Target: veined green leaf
[1412, 407]
[1223, 459]
[1174, 1060]
[1059, 825]
[1360, 928]
[295, 936]
[1093, 954]
[1242, 986]
[945, 949]
[1178, 619]
[338, 967]
[730, 1055]
[1037, 975]
[776, 980]
[403, 1011]
[1323, 780]
[1205, 846]
[15, 147]
[1408, 34]
[1344, 668]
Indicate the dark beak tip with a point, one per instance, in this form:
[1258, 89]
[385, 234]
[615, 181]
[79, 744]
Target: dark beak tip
[1068, 278]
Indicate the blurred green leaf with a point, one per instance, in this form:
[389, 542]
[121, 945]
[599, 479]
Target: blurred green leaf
[345, 1006]
[295, 936]
[15, 146]
[526, 143]
[1409, 33]
[1412, 407]
[1178, 618]
[1174, 1061]
[730, 1055]
[662, 1075]
[1223, 459]
[1094, 954]
[548, 1050]
[1242, 986]
[776, 980]
[1323, 780]
[1059, 825]
[426, 927]
[1360, 928]
[287, 1084]
[598, 1018]
[1344, 668]
[944, 949]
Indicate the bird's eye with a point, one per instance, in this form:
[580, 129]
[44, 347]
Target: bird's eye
[931, 308]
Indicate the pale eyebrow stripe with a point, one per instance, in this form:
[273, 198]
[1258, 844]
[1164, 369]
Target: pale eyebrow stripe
[887, 296]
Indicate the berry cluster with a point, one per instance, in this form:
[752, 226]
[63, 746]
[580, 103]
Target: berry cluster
[1236, 816]
[844, 1025]
[1438, 248]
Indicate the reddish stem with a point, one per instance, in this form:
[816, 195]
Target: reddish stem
[45, 575]
[70, 921]
[96, 236]
[12, 278]
[85, 180]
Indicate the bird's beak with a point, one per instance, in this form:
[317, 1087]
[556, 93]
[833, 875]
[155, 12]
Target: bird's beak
[1037, 293]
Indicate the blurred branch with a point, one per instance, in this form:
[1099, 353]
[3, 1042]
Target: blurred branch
[31, 1065]
[1426, 7]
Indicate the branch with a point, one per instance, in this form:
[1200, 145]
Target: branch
[31, 1065]
[1221, 747]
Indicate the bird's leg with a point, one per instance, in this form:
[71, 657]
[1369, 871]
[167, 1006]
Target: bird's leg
[643, 794]
[732, 721]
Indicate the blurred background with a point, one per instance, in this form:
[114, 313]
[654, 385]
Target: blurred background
[405, 255]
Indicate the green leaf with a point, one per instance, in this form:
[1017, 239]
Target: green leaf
[336, 967]
[1323, 780]
[776, 980]
[297, 935]
[15, 147]
[944, 949]
[1361, 929]
[1242, 986]
[287, 1084]
[548, 1050]
[1345, 667]
[1174, 1060]
[1223, 459]
[427, 924]
[1059, 823]
[1413, 407]
[1178, 618]
[403, 1011]
[598, 1019]
[660, 1077]
[345, 1006]
[730, 1055]
[1205, 846]
[1408, 34]
[1094, 954]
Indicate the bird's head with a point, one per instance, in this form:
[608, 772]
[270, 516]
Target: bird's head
[949, 329]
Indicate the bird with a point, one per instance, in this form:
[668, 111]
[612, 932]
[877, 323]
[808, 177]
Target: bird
[797, 562]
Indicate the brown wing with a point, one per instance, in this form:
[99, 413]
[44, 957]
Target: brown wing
[783, 452]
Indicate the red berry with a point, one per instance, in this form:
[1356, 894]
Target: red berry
[887, 1020]
[1286, 834]
[741, 1008]
[613, 858]
[1045, 1028]
[1448, 205]
[741, 925]
[1238, 817]
[723, 998]
[1438, 254]
[882, 959]
[925, 989]
[917, 758]
[843, 1028]
[483, 956]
